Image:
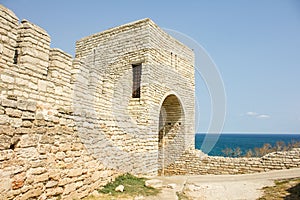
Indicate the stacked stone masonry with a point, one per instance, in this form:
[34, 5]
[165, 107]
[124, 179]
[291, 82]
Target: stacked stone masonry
[41, 154]
[196, 163]
[68, 126]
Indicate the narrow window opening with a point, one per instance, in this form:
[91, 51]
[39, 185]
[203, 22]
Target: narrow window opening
[136, 79]
[16, 57]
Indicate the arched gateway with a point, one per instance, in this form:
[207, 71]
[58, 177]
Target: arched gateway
[171, 131]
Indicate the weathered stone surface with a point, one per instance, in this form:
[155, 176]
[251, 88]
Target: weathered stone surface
[22, 105]
[31, 106]
[191, 163]
[4, 120]
[95, 193]
[70, 188]
[28, 140]
[119, 188]
[5, 185]
[68, 125]
[9, 103]
[17, 184]
[54, 191]
[171, 185]
[51, 184]
[7, 79]
[75, 172]
[32, 193]
[13, 112]
[154, 183]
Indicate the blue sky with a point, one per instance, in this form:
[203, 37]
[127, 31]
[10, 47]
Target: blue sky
[255, 45]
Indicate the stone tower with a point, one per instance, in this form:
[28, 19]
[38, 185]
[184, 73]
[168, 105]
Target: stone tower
[136, 84]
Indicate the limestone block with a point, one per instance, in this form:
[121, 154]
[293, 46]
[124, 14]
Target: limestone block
[39, 115]
[51, 184]
[60, 155]
[7, 79]
[18, 181]
[54, 191]
[79, 184]
[70, 188]
[28, 141]
[95, 193]
[5, 155]
[21, 104]
[13, 112]
[27, 123]
[29, 153]
[32, 86]
[75, 172]
[5, 185]
[15, 122]
[42, 85]
[119, 188]
[54, 174]
[4, 120]
[4, 142]
[37, 171]
[9, 103]
[65, 146]
[28, 115]
[47, 139]
[32, 193]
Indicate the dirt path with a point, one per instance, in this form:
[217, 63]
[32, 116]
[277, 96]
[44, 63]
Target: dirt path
[225, 187]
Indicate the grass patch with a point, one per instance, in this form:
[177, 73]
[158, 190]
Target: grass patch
[133, 186]
[287, 189]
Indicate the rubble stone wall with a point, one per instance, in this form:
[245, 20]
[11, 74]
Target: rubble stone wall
[129, 127]
[195, 162]
[41, 154]
[69, 126]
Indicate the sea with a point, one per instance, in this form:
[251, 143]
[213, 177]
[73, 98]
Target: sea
[244, 141]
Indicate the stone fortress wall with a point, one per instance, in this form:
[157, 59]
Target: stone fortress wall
[196, 162]
[132, 124]
[68, 126]
[41, 154]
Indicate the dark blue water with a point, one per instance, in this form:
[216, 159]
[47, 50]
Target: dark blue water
[244, 141]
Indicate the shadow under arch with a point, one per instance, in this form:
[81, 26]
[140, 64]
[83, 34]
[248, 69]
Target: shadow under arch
[171, 137]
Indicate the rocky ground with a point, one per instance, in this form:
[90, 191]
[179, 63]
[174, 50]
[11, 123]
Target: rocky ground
[214, 187]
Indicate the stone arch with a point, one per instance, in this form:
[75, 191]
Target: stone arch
[170, 131]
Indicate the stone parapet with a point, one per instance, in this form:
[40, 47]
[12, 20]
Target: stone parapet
[195, 163]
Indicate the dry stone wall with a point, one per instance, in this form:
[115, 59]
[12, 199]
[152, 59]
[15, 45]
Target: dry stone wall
[129, 127]
[195, 162]
[41, 154]
[68, 126]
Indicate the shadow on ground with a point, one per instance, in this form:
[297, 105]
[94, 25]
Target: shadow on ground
[294, 193]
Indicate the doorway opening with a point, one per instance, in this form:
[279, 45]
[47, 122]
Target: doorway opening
[171, 132]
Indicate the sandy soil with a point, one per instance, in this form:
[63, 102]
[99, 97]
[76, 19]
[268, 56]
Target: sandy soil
[225, 187]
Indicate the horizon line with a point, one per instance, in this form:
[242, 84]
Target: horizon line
[250, 132]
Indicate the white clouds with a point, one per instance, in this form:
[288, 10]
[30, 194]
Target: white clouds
[257, 115]
[251, 113]
[263, 116]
